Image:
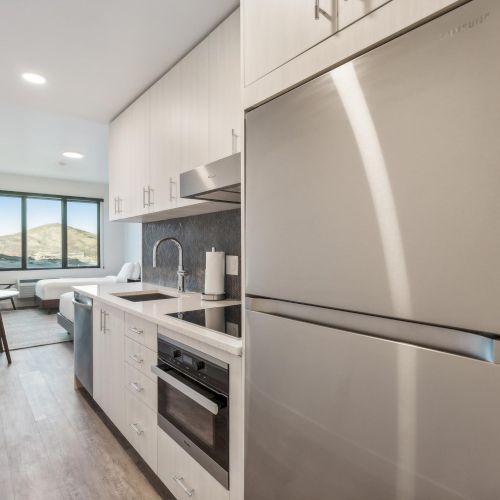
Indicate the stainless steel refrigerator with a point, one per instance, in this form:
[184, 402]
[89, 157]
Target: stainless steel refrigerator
[373, 273]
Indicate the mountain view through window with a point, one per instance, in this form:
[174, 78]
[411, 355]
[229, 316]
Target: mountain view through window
[58, 233]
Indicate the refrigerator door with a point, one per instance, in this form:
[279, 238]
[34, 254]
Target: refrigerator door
[331, 414]
[374, 188]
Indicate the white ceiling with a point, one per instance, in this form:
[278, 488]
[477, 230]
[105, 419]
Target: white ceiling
[97, 56]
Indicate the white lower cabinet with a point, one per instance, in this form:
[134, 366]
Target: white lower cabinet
[183, 475]
[108, 366]
[140, 357]
[143, 387]
[141, 331]
[141, 428]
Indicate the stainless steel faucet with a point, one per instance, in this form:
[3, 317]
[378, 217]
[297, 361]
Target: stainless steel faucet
[180, 269]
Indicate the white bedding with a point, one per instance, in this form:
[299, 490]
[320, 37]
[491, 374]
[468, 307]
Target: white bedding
[52, 289]
[66, 307]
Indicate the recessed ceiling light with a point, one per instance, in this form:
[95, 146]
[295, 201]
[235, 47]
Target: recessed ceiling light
[73, 154]
[34, 78]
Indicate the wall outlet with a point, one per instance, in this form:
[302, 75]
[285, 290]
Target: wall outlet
[232, 265]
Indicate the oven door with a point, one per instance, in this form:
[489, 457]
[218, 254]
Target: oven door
[196, 417]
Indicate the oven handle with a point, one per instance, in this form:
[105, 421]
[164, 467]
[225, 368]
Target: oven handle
[186, 390]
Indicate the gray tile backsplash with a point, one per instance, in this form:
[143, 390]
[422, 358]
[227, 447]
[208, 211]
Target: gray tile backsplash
[197, 234]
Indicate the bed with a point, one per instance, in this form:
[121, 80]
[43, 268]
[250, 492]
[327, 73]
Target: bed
[47, 292]
[66, 314]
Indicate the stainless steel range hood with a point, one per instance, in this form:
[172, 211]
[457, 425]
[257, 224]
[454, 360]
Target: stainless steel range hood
[217, 181]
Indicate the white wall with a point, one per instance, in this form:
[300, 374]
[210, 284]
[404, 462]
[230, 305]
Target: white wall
[114, 249]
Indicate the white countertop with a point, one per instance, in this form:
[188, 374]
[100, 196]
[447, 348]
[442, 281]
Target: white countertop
[156, 311]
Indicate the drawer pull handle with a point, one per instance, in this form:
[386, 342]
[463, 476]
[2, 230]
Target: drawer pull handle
[137, 429]
[136, 358]
[180, 481]
[136, 330]
[136, 387]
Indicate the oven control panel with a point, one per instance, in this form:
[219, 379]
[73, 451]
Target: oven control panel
[194, 365]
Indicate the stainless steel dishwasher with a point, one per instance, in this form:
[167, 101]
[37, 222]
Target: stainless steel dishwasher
[82, 340]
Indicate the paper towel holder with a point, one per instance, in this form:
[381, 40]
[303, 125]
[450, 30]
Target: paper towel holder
[213, 296]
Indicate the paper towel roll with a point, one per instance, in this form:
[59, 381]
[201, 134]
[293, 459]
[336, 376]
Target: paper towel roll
[215, 272]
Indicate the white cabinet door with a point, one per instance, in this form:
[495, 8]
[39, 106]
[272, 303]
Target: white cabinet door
[352, 10]
[135, 175]
[114, 150]
[194, 107]
[164, 156]
[98, 350]
[113, 326]
[141, 429]
[224, 89]
[108, 355]
[276, 31]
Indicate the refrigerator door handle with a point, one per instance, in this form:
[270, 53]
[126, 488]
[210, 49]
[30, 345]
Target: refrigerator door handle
[479, 346]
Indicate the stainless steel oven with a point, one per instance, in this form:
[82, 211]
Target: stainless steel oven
[193, 404]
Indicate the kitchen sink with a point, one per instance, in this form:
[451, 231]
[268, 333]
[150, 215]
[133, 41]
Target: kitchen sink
[143, 296]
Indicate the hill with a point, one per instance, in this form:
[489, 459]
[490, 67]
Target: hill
[44, 247]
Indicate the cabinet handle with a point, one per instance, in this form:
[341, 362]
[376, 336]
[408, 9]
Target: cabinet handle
[234, 141]
[151, 199]
[137, 359]
[172, 184]
[119, 200]
[180, 481]
[101, 323]
[137, 429]
[136, 330]
[316, 9]
[105, 314]
[144, 191]
[136, 387]
[115, 205]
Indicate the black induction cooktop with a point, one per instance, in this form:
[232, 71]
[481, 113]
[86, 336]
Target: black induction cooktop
[224, 319]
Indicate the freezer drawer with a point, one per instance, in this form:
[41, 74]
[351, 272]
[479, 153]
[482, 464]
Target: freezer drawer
[374, 188]
[333, 414]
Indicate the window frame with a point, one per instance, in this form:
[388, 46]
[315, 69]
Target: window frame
[64, 228]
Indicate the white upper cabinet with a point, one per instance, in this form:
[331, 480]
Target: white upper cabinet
[163, 128]
[352, 10]
[116, 164]
[190, 117]
[276, 31]
[194, 107]
[224, 113]
[136, 180]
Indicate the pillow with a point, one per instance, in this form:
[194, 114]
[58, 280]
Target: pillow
[125, 272]
[136, 275]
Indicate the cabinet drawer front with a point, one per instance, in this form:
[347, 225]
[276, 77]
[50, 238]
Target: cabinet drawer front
[143, 387]
[141, 331]
[140, 357]
[141, 429]
[183, 475]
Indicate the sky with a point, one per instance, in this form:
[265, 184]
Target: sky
[40, 211]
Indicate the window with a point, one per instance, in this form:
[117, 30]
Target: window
[82, 231]
[44, 236]
[48, 232]
[11, 248]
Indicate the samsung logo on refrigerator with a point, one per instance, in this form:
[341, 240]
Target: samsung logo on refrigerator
[456, 30]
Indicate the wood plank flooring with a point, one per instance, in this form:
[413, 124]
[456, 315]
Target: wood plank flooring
[53, 444]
